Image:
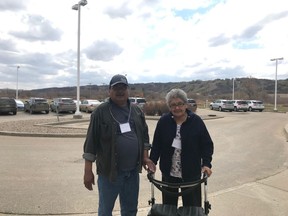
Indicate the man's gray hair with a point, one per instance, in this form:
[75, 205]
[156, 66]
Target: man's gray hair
[176, 93]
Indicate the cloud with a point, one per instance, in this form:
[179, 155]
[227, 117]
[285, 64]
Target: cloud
[39, 29]
[12, 5]
[219, 40]
[103, 51]
[119, 12]
[149, 41]
[7, 45]
[253, 30]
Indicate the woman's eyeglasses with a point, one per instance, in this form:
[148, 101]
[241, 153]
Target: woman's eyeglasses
[174, 105]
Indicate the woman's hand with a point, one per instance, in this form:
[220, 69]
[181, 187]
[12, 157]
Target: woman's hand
[207, 170]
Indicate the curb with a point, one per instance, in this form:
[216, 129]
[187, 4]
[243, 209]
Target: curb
[286, 132]
[81, 135]
[77, 135]
[26, 134]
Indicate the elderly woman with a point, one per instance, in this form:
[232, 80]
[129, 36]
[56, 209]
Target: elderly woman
[184, 147]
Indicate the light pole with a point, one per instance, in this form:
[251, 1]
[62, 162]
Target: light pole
[233, 91]
[17, 82]
[275, 104]
[78, 7]
[90, 90]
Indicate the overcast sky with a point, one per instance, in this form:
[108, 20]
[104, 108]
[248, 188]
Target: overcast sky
[147, 40]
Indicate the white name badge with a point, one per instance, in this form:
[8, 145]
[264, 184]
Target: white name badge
[125, 127]
[176, 143]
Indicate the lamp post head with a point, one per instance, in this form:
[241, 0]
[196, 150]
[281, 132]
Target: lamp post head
[75, 7]
[82, 2]
[276, 59]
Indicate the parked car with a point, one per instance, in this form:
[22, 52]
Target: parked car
[222, 105]
[89, 105]
[240, 105]
[210, 105]
[106, 99]
[34, 105]
[8, 105]
[75, 101]
[20, 105]
[60, 105]
[138, 101]
[192, 105]
[255, 105]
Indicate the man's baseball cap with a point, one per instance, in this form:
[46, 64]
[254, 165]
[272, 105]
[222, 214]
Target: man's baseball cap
[117, 79]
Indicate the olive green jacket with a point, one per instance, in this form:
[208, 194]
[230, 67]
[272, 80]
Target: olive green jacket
[100, 146]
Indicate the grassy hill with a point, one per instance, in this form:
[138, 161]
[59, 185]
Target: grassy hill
[202, 91]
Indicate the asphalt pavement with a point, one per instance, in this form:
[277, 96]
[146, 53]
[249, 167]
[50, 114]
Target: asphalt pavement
[265, 197]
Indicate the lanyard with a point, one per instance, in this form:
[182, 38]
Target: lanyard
[116, 119]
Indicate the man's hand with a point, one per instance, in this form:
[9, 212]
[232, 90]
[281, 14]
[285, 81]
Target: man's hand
[89, 179]
[149, 165]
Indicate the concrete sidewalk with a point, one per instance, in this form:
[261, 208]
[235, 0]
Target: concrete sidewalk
[265, 197]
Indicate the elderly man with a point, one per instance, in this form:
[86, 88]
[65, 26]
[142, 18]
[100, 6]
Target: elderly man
[118, 140]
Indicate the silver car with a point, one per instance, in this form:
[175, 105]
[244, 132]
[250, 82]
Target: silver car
[60, 105]
[192, 105]
[222, 105]
[255, 105]
[89, 105]
[240, 105]
[138, 101]
[34, 105]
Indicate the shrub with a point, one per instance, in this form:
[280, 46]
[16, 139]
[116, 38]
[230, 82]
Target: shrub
[155, 108]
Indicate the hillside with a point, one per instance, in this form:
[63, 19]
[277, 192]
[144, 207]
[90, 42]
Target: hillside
[244, 88]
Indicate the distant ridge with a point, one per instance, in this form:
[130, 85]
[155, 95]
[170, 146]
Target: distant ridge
[244, 88]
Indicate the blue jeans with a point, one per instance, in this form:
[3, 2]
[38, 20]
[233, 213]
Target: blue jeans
[126, 186]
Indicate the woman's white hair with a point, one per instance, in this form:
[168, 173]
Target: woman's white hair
[176, 93]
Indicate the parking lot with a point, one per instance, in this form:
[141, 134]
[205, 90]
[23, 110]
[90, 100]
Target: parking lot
[43, 175]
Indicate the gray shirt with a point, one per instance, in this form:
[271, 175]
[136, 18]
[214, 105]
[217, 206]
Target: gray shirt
[126, 142]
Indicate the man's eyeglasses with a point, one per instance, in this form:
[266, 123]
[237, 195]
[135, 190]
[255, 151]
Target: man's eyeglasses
[174, 105]
[120, 87]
